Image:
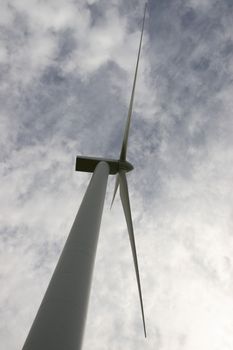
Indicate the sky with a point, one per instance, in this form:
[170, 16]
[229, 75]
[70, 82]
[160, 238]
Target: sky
[66, 71]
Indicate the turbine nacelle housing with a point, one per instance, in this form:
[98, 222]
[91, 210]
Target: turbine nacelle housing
[88, 164]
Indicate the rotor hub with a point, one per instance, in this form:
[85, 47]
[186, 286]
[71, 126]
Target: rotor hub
[125, 165]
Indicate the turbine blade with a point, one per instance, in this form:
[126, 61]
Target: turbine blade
[115, 189]
[126, 132]
[124, 194]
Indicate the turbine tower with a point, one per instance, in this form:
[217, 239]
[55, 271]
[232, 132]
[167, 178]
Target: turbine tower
[60, 320]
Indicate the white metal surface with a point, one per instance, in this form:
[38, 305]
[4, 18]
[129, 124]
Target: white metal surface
[60, 321]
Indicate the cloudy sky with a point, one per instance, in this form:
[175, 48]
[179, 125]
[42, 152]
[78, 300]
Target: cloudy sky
[66, 71]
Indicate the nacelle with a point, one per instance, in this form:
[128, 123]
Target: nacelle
[88, 164]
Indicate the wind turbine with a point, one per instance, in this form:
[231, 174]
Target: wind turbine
[121, 167]
[60, 320]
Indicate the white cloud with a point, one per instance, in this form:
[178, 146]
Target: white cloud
[98, 44]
